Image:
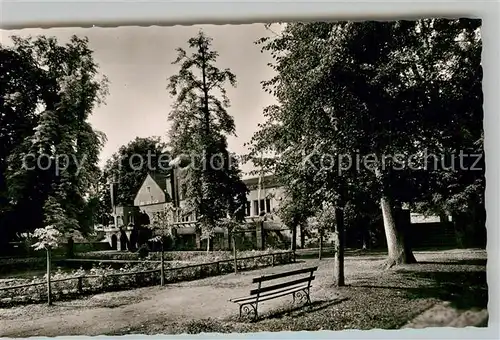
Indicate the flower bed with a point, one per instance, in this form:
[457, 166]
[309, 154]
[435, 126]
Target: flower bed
[101, 278]
[191, 256]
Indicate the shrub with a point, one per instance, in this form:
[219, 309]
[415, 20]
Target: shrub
[143, 251]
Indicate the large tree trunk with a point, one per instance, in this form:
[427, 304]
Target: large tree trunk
[338, 269]
[399, 251]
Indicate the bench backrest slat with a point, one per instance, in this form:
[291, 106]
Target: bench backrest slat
[281, 275]
[281, 285]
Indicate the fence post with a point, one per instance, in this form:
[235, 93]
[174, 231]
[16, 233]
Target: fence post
[273, 260]
[103, 278]
[80, 285]
[234, 255]
[49, 289]
[218, 267]
[162, 267]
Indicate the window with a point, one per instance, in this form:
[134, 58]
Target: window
[248, 209]
[255, 208]
[263, 206]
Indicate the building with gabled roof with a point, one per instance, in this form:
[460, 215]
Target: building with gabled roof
[159, 191]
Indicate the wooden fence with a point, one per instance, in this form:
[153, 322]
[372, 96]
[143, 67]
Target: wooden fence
[115, 281]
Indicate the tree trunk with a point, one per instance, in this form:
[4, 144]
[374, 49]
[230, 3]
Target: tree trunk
[70, 248]
[459, 227]
[399, 252]
[198, 239]
[366, 234]
[302, 236]
[49, 288]
[234, 255]
[338, 269]
[320, 245]
[294, 237]
[162, 267]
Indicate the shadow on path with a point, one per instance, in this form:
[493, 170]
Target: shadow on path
[466, 262]
[464, 290]
[301, 310]
[297, 310]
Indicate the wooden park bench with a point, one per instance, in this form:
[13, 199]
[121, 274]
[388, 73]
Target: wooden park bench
[298, 287]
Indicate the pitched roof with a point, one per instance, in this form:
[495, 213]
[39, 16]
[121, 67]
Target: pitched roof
[160, 179]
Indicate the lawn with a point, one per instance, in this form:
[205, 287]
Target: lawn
[373, 299]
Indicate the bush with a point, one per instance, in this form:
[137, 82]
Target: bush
[143, 252]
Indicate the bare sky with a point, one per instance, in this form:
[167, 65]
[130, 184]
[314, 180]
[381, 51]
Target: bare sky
[137, 61]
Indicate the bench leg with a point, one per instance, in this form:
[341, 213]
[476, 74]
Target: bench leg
[293, 295]
[308, 296]
[301, 296]
[249, 308]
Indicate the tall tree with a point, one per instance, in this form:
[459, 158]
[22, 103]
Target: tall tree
[19, 96]
[365, 90]
[67, 87]
[455, 161]
[212, 183]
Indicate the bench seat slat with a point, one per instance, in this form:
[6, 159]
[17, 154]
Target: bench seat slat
[271, 296]
[253, 297]
[280, 275]
[281, 285]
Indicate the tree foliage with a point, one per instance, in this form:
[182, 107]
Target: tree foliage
[161, 225]
[49, 90]
[130, 165]
[380, 93]
[48, 238]
[211, 184]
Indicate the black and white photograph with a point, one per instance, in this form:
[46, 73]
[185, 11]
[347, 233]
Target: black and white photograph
[242, 178]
